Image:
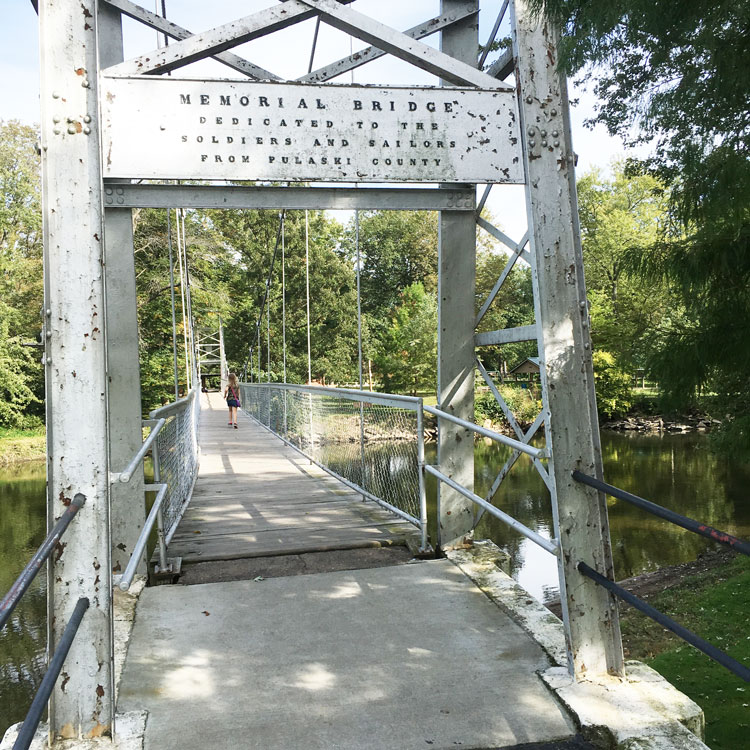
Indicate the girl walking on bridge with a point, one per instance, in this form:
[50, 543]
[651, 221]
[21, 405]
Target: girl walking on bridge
[232, 395]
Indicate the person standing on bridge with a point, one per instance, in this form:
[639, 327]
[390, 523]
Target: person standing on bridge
[232, 395]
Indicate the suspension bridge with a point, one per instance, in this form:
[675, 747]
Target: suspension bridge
[321, 602]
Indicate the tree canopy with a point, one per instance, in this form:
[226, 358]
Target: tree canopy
[672, 74]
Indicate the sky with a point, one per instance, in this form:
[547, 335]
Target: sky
[287, 54]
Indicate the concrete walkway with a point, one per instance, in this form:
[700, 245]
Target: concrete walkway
[406, 657]
[255, 496]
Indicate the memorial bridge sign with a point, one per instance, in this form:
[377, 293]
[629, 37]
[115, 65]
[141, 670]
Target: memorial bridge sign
[171, 128]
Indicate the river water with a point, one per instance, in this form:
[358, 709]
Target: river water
[677, 471]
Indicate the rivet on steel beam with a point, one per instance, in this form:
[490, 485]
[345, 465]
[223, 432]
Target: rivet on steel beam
[49, 360]
[49, 334]
[529, 100]
[72, 130]
[48, 312]
[555, 133]
[87, 118]
[56, 131]
[108, 191]
[55, 95]
[582, 304]
[85, 83]
[120, 201]
[586, 345]
[553, 113]
[531, 131]
[556, 144]
[532, 144]
[55, 120]
[544, 133]
[544, 144]
[120, 191]
[87, 131]
[69, 120]
[108, 200]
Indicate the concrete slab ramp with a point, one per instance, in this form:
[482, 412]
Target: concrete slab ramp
[411, 657]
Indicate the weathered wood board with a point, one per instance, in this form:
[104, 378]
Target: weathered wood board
[256, 496]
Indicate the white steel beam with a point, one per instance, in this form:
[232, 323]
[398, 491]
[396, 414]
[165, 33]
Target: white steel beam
[580, 513]
[158, 23]
[214, 41]
[501, 280]
[506, 336]
[373, 53]
[507, 241]
[82, 703]
[450, 68]
[150, 195]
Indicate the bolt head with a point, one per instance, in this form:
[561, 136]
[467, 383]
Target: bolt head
[556, 144]
[87, 118]
[532, 144]
[529, 100]
[85, 83]
[555, 133]
[87, 131]
[544, 133]
[544, 144]
[531, 131]
[553, 113]
[72, 130]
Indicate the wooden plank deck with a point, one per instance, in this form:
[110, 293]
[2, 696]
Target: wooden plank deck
[256, 497]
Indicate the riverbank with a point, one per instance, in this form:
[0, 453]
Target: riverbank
[711, 597]
[22, 445]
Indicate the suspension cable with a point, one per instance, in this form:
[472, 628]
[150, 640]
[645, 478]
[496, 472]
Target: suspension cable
[174, 317]
[307, 295]
[283, 295]
[265, 296]
[182, 297]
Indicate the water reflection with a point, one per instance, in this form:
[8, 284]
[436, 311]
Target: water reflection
[677, 471]
[23, 640]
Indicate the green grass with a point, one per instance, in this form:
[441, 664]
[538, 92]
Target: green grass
[716, 605]
[21, 445]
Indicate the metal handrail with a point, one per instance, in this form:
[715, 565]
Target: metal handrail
[127, 577]
[22, 583]
[669, 515]
[34, 715]
[370, 397]
[690, 524]
[125, 476]
[551, 545]
[498, 437]
[168, 409]
[707, 648]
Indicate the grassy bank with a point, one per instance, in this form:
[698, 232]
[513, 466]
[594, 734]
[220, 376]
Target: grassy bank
[21, 445]
[715, 604]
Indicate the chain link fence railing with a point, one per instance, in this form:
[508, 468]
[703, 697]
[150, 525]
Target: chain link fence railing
[372, 442]
[177, 446]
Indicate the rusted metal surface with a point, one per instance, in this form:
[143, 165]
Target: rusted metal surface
[76, 383]
[158, 23]
[590, 614]
[369, 54]
[183, 129]
[214, 41]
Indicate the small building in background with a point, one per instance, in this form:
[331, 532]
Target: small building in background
[527, 370]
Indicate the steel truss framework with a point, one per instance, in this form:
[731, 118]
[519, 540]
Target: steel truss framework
[551, 247]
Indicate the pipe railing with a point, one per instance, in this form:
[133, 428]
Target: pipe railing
[551, 545]
[155, 514]
[39, 704]
[22, 583]
[498, 437]
[689, 524]
[156, 426]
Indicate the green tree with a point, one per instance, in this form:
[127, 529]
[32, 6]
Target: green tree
[670, 75]
[620, 216]
[408, 350]
[21, 287]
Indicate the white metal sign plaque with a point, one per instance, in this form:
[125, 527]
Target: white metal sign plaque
[169, 128]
